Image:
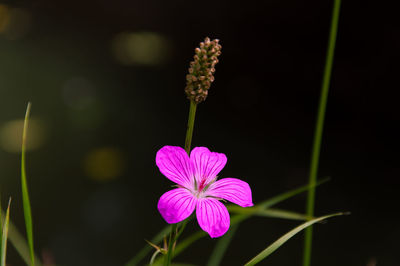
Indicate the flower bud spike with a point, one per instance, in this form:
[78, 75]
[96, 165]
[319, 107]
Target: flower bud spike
[201, 70]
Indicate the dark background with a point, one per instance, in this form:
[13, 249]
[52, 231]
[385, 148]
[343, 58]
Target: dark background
[98, 106]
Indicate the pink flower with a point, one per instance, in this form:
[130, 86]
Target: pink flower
[198, 189]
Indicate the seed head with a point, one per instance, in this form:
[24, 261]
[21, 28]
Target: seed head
[201, 70]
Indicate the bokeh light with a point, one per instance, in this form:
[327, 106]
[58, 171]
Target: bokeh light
[104, 164]
[140, 48]
[4, 17]
[14, 22]
[11, 135]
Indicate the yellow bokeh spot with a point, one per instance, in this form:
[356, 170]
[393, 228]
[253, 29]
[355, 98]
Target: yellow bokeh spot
[11, 135]
[4, 17]
[103, 164]
[140, 48]
[14, 22]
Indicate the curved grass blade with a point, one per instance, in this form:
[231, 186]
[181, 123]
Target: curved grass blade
[282, 240]
[259, 210]
[223, 243]
[156, 239]
[4, 235]
[1, 223]
[183, 245]
[273, 213]
[281, 197]
[181, 264]
[154, 257]
[319, 126]
[146, 249]
[221, 247]
[187, 242]
[20, 244]
[25, 195]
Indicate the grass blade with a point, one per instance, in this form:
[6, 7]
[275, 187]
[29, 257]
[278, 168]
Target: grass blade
[223, 243]
[282, 240]
[273, 213]
[20, 244]
[319, 128]
[221, 247]
[4, 235]
[25, 195]
[286, 195]
[1, 223]
[146, 249]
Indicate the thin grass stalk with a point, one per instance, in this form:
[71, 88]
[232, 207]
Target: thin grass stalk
[283, 239]
[319, 130]
[146, 249]
[188, 143]
[25, 195]
[190, 126]
[20, 244]
[221, 247]
[1, 222]
[5, 235]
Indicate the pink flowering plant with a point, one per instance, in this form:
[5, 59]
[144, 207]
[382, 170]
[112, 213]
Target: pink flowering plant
[198, 188]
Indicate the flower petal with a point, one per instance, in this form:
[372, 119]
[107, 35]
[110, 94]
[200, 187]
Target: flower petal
[176, 205]
[206, 164]
[213, 217]
[232, 189]
[175, 164]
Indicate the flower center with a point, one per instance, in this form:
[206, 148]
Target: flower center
[202, 185]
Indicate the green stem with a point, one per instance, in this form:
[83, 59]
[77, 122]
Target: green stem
[1, 223]
[20, 244]
[189, 131]
[319, 129]
[167, 260]
[188, 142]
[25, 195]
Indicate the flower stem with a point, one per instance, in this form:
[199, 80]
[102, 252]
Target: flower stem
[173, 236]
[319, 129]
[189, 131]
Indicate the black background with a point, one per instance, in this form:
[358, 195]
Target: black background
[260, 112]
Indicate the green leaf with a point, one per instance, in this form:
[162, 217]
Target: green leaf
[319, 127]
[282, 240]
[25, 195]
[281, 197]
[183, 245]
[273, 213]
[1, 222]
[223, 243]
[146, 249]
[221, 247]
[157, 239]
[20, 244]
[4, 235]
[181, 264]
